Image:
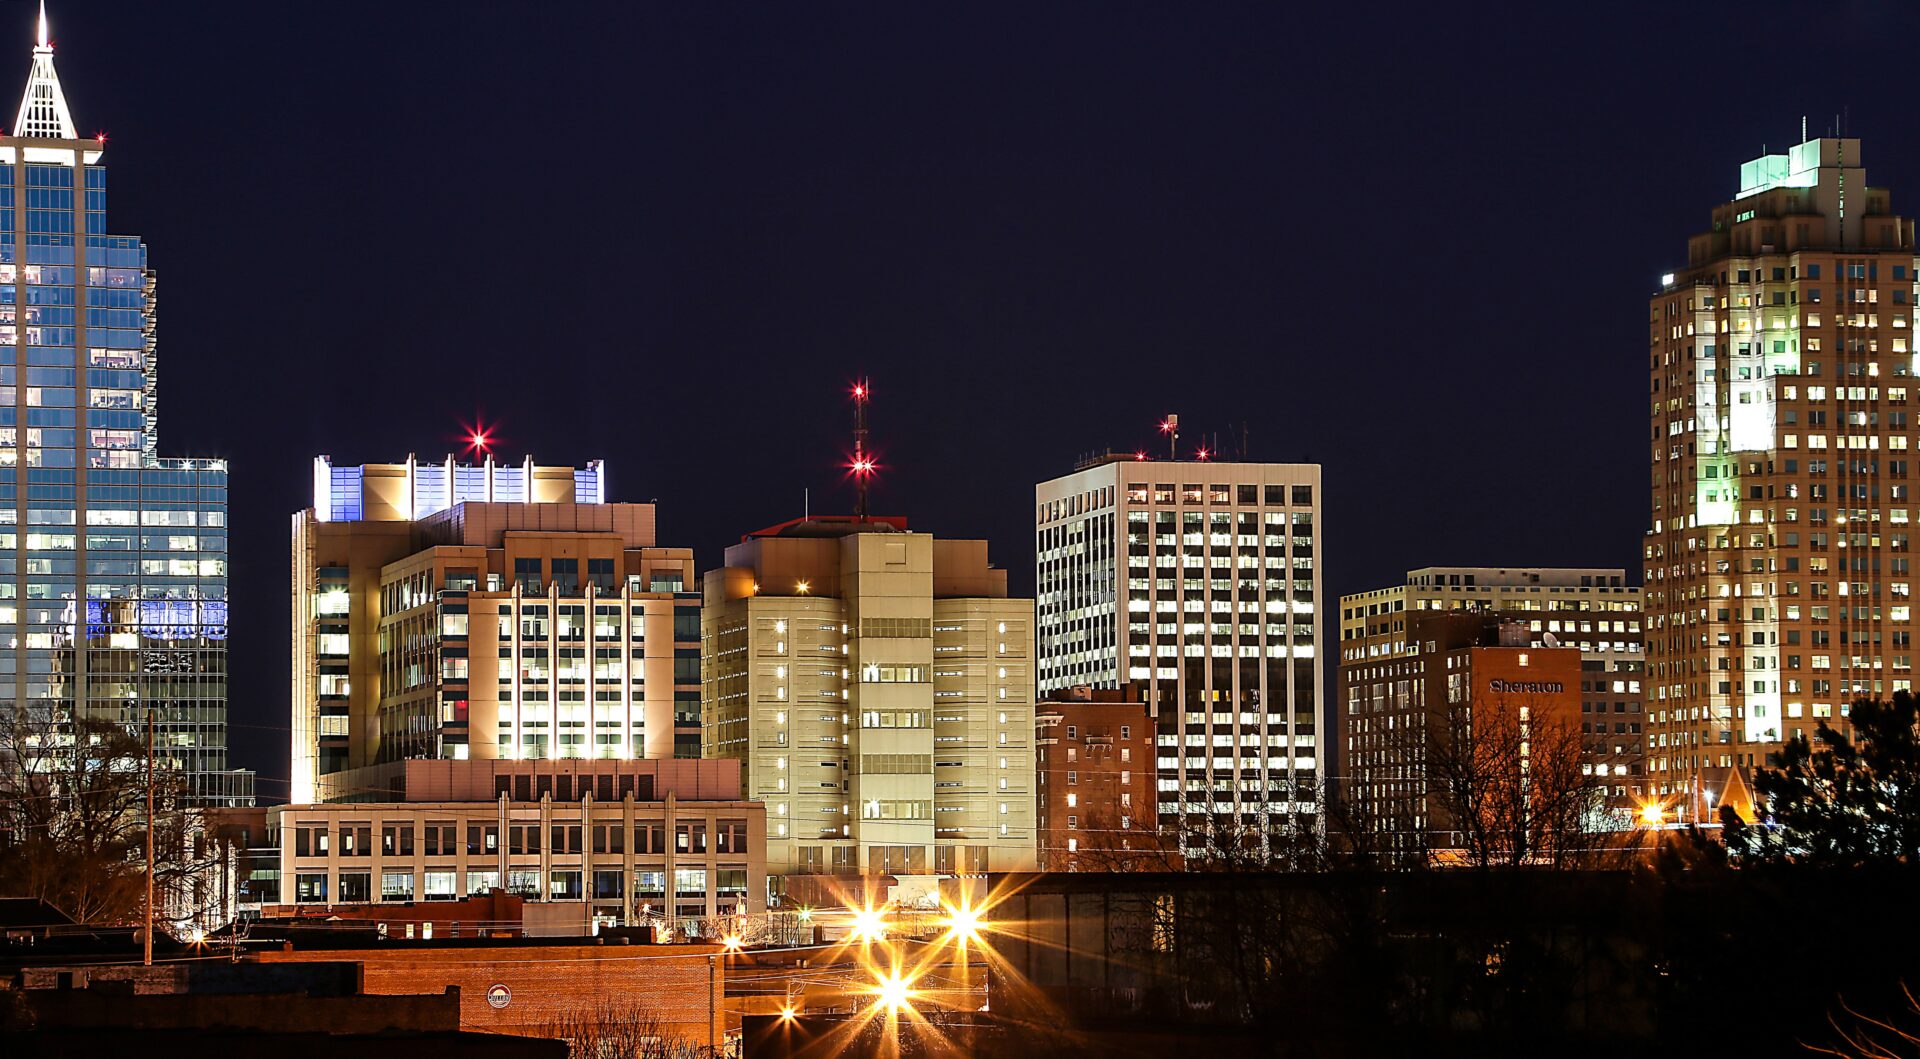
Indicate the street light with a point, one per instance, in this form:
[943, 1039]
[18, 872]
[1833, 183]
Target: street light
[1653, 814]
[869, 924]
[893, 991]
[963, 923]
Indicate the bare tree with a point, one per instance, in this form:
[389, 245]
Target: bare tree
[73, 821]
[1861, 1036]
[1505, 784]
[618, 1028]
[1102, 843]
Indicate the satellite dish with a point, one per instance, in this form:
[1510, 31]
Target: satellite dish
[1550, 640]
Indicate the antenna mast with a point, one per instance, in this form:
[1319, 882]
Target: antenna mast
[862, 463]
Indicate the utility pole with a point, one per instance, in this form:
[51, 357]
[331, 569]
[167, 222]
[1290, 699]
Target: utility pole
[147, 943]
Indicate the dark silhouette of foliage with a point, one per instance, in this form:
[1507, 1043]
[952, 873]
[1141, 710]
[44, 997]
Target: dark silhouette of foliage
[1843, 798]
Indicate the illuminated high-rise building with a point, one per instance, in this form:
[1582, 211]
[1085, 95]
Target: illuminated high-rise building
[1778, 569]
[493, 610]
[114, 597]
[1197, 582]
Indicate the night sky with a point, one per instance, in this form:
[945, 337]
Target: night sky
[1415, 247]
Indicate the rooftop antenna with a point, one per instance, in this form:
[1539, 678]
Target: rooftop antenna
[862, 462]
[1170, 426]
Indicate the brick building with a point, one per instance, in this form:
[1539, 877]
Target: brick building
[1093, 781]
[1591, 608]
[522, 988]
[1468, 701]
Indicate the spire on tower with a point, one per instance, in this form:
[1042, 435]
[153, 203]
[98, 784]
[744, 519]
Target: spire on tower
[43, 110]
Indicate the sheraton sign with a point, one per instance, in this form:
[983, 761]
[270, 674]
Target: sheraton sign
[1525, 687]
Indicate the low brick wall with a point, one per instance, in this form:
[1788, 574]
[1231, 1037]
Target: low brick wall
[677, 984]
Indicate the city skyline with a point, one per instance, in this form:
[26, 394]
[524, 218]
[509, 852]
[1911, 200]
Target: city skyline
[1145, 231]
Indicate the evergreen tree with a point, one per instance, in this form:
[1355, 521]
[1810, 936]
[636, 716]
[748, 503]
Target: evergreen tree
[1839, 799]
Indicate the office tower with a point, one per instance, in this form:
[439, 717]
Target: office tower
[878, 685]
[1094, 782]
[116, 584]
[1196, 582]
[1589, 608]
[496, 610]
[1467, 720]
[1778, 570]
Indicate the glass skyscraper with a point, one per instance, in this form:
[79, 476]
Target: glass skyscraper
[113, 561]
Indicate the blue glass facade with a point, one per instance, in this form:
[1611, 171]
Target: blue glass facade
[113, 561]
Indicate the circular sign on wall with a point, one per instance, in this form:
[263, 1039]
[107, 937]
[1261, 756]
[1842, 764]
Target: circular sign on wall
[499, 996]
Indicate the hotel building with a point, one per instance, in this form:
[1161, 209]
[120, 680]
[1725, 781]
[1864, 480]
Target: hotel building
[1592, 609]
[445, 610]
[113, 596]
[1778, 553]
[1467, 706]
[1196, 583]
[877, 685]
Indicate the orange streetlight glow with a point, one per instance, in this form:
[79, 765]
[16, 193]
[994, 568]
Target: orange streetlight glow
[963, 923]
[893, 991]
[733, 943]
[869, 924]
[1653, 814]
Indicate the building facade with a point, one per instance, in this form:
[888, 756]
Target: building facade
[1778, 569]
[1094, 782]
[114, 595]
[877, 686]
[1468, 719]
[1197, 583]
[486, 611]
[1592, 609]
[632, 841]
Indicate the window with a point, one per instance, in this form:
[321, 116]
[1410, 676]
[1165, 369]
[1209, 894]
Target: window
[310, 886]
[396, 886]
[356, 887]
[439, 886]
[526, 573]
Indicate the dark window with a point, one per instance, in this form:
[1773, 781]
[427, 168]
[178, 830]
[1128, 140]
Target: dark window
[566, 576]
[526, 573]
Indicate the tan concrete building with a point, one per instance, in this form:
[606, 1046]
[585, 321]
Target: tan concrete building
[620, 842]
[490, 611]
[1198, 583]
[1778, 567]
[877, 685]
[1592, 609]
